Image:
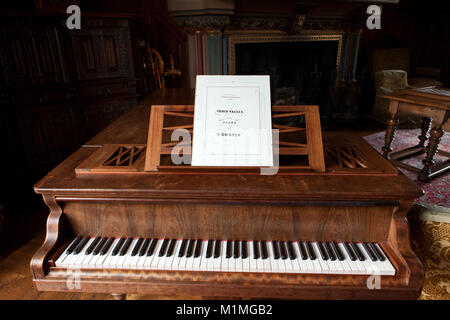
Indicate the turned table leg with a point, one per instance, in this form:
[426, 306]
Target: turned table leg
[392, 124]
[118, 296]
[426, 123]
[435, 137]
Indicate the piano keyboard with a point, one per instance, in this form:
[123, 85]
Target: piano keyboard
[226, 256]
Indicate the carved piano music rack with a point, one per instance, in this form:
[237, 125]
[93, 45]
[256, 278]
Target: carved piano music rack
[305, 233]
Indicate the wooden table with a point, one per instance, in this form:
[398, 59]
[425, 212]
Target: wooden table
[433, 105]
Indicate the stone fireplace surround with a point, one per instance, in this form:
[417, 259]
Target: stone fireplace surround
[213, 40]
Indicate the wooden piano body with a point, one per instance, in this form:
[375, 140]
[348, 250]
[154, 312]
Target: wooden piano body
[337, 205]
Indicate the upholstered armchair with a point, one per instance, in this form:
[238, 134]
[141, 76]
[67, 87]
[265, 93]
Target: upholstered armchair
[391, 71]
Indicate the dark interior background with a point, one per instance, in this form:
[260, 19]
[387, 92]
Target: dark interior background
[47, 114]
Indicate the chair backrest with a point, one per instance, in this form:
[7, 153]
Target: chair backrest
[390, 59]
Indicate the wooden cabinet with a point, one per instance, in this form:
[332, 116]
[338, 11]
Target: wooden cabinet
[31, 55]
[61, 86]
[102, 49]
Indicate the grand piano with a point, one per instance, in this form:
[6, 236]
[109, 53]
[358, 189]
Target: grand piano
[338, 234]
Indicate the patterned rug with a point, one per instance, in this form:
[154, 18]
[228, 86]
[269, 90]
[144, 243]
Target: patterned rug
[430, 240]
[437, 194]
[430, 217]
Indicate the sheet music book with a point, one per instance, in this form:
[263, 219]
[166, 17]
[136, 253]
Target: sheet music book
[232, 121]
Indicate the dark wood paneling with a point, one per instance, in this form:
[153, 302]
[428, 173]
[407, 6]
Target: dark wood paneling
[102, 49]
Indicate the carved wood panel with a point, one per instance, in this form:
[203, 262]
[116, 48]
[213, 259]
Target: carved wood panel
[102, 50]
[49, 134]
[31, 56]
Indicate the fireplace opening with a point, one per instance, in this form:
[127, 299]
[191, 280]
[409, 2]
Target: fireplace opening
[301, 72]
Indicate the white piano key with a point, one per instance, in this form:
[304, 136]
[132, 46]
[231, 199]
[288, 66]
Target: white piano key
[311, 265]
[267, 266]
[190, 260]
[163, 259]
[70, 259]
[231, 260]
[208, 264]
[64, 255]
[251, 256]
[287, 262]
[183, 260]
[259, 261]
[149, 259]
[336, 264]
[81, 256]
[323, 264]
[224, 263]
[217, 265]
[347, 264]
[142, 259]
[246, 261]
[132, 264]
[299, 264]
[238, 261]
[379, 264]
[105, 260]
[367, 263]
[376, 267]
[127, 260]
[389, 268]
[274, 266]
[155, 255]
[172, 261]
[203, 261]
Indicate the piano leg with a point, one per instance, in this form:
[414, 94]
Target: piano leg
[118, 296]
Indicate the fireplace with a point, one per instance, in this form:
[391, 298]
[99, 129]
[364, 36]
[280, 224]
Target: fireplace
[302, 69]
[309, 52]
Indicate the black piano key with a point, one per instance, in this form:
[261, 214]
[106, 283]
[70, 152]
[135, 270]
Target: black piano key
[118, 246]
[198, 248]
[100, 246]
[74, 245]
[80, 246]
[217, 246]
[163, 248]
[283, 252]
[276, 250]
[357, 251]
[374, 248]
[322, 251]
[350, 251]
[337, 251]
[92, 246]
[190, 249]
[256, 251]
[209, 249]
[330, 251]
[264, 252]
[151, 248]
[310, 251]
[244, 249]
[291, 251]
[236, 249]
[171, 247]
[372, 255]
[229, 249]
[182, 251]
[136, 247]
[125, 247]
[107, 246]
[302, 249]
[144, 247]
